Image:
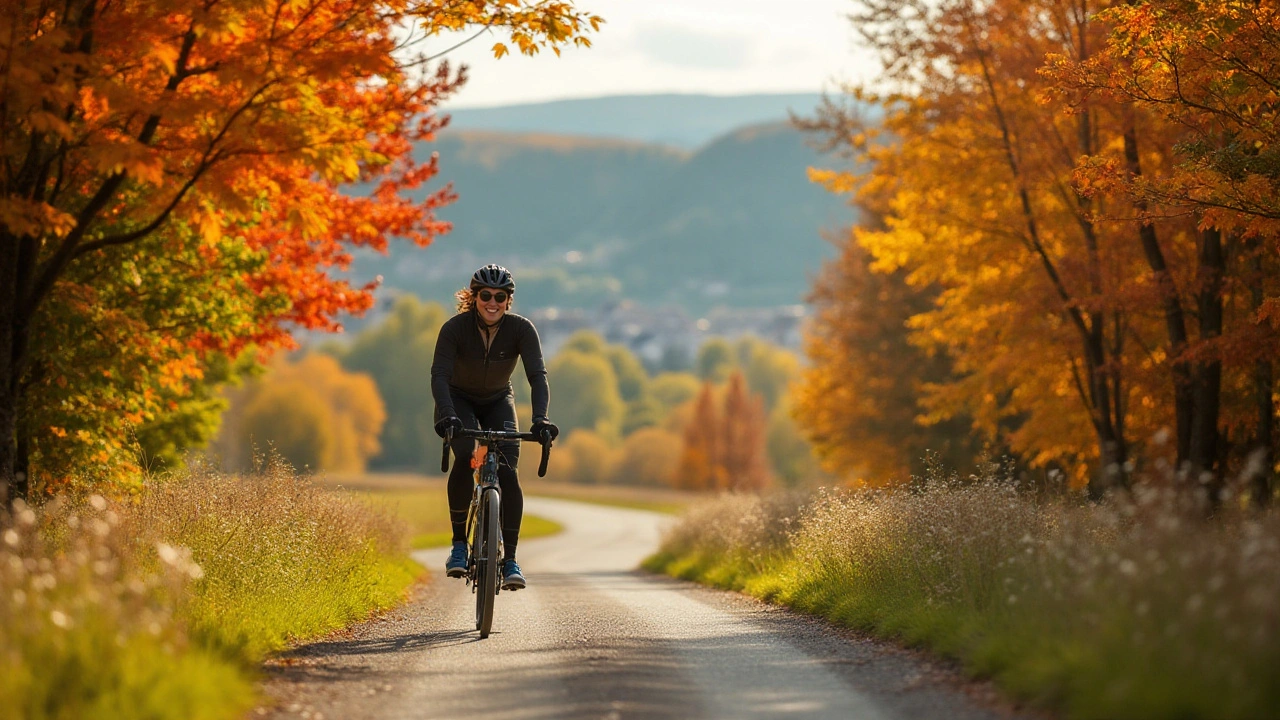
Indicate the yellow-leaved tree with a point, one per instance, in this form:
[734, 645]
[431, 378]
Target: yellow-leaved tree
[311, 412]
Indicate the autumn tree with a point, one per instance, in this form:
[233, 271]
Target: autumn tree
[859, 402]
[585, 458]
[742, 447]
[227, 130]
[974, 176]
[1199, 77]
[631, 381]
[312, 412]
[673, 389]
[587, 394]
[700, 467]
[724, 441]
[397, 354]
[715, 360]
[649, 457]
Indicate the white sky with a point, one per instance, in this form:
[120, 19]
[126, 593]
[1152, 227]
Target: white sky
[719, 47]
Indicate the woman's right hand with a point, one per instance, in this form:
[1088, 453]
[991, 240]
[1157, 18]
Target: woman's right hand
[448, 425]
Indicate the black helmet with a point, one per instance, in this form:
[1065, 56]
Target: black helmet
[493, 276]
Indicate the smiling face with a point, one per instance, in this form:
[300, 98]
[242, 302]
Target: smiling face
[492, 304]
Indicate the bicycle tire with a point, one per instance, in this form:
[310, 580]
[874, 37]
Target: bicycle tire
[487, 561]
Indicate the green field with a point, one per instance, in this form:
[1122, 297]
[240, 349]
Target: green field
[663, 500]
[422, 503]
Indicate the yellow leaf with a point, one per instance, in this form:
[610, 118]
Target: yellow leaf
[499, 50]
[210, 228]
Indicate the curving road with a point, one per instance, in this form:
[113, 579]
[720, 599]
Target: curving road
[593, 638]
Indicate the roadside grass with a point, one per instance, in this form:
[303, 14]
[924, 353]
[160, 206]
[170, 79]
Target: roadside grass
[162, 606]
[1136, 608]
[423, 505]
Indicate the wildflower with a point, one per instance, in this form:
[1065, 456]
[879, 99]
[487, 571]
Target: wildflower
[168, 553]
[59, 618]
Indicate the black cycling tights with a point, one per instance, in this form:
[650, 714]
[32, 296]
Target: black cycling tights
[499, 415]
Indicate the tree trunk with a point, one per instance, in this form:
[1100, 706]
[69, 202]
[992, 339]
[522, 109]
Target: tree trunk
[1202, 456]
[8, 379]
[1112, 448]
[1261, 458]
[1174, 318]
[17, 263]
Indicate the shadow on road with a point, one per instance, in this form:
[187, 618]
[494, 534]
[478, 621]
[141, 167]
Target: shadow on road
[383, 645]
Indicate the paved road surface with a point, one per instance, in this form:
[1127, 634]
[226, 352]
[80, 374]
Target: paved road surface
[593, 638]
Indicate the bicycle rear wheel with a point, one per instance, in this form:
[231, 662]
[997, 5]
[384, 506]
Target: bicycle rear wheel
[486, 561]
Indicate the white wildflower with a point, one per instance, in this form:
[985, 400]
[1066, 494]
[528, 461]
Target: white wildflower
[59, 618]
[168, 554]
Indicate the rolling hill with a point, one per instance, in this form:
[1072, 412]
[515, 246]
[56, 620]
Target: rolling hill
[586, 219]
[687, 121]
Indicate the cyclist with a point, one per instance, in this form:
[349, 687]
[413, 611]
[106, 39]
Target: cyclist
[476, 354]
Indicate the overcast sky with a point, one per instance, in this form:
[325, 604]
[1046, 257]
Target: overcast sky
[721, 47]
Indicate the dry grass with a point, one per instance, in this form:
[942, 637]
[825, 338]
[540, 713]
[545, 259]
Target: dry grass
[160, 606]
[1135, 608]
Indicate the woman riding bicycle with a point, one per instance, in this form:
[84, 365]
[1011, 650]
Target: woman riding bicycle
[476, 354]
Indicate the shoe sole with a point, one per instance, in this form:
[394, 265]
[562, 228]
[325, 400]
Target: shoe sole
[514, 584]
[455, 572]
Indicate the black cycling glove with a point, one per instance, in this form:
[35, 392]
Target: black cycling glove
[447, 424]
[544, 430]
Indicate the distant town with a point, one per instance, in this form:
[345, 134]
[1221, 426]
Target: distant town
[668, 338]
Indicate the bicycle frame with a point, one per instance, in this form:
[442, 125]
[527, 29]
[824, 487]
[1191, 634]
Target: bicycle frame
[483, 533]
[486, 477]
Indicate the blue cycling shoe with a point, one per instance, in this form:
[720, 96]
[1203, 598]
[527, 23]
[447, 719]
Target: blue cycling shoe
[512, 578]
[456, 566]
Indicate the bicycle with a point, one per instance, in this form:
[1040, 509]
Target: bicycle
[483, 533]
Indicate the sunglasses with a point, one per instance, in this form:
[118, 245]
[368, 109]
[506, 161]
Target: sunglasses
[486, 296]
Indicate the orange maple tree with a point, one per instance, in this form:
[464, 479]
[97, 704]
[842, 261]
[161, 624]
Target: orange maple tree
[1203, 75]
[723, 447]
[1091, 188]
[228, 129]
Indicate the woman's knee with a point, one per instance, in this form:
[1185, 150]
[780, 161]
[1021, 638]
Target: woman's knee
[509, 455]
[463, 448]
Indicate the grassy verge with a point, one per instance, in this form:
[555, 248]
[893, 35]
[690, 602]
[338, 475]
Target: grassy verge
[161, 606]
[1138, 609]
[422, 504]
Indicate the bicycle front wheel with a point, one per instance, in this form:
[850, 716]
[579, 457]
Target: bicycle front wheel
[486, 561]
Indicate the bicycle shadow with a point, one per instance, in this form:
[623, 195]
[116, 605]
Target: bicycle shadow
[339, 660]
[385, 645]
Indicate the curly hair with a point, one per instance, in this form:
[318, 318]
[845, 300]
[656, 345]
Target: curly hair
[467, 299]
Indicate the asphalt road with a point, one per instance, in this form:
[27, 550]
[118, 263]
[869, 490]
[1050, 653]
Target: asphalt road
[593, 638]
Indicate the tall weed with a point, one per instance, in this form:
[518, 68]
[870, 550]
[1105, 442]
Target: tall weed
[159, 606]
[1138, 607]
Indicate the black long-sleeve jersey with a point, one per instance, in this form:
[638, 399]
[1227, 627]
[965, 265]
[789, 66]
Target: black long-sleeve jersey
[462, 365]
